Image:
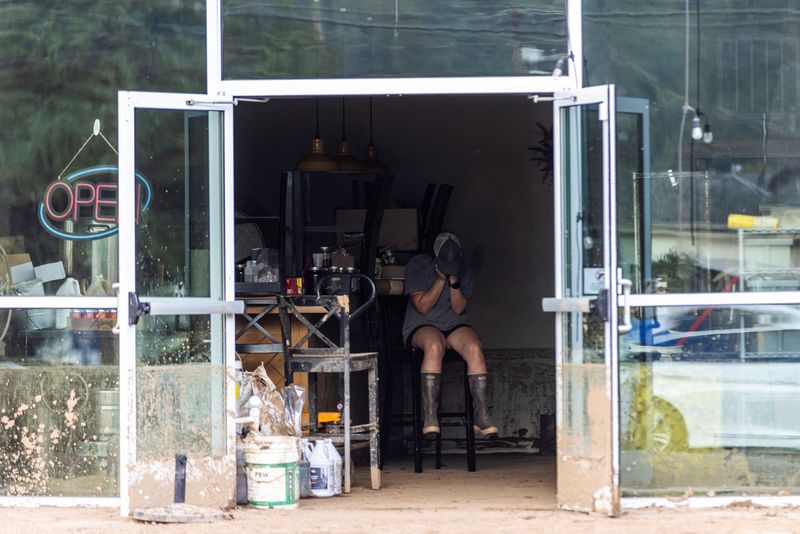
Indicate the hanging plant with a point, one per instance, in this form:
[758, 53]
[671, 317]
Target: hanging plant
[543, 153]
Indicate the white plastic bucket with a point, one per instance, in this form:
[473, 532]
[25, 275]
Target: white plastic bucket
[273, 473]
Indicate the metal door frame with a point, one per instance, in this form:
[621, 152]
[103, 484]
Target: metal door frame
[128, 103]
[604, 97]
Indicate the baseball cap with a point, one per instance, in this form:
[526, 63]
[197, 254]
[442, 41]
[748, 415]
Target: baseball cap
[447, 250]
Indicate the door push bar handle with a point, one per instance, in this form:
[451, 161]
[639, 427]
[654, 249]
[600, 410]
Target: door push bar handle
[576, 304]
[626, 325]
[179, 306]
[597, 304]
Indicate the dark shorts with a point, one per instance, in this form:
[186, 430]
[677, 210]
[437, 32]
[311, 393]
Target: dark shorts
[445, 333]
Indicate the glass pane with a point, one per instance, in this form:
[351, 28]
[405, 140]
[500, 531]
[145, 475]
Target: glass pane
[630, 226]
[585, 419]
[582, 164]
[744, 78]
[61, 67]
[179, 383]
[384, 38]
[179, 238]
[711, 248]
[180, 373]
[709, 401]
[59, 403]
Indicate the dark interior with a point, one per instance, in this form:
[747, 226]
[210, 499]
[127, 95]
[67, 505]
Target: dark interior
[501, 204]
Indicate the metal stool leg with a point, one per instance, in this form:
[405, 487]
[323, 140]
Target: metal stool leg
[313, 414]
[439, 449]
[346, 487]
[470, 422]
[374, 431]
[441, 429]
[417, 413]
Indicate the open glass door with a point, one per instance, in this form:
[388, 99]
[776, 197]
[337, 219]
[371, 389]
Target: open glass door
[176, 298]
[587, 335]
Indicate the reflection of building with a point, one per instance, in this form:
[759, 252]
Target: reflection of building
[464, 119]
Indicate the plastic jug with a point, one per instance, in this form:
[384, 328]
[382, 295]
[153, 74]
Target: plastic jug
[69, 288]
[241, 475]
[321, 471]
[337, 466]
[98, 288]
[305, 454]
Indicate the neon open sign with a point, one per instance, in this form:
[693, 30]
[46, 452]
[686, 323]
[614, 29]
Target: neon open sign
[82, 197]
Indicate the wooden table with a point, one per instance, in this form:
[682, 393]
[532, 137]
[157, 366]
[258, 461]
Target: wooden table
[258, 340]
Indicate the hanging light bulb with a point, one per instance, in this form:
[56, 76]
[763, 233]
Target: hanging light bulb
[371, 163]
[345, 160]
[317, 159]
[708, 135]
[697, 129]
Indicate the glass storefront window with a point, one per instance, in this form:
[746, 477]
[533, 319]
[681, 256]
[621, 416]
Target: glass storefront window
[687, 234]
[726, 217]
[708, 394]
[60, 69]
[369, 38]
[59, 403]
[709, 400]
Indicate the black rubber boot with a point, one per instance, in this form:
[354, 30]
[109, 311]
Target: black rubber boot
[478, 385]
[431, 383]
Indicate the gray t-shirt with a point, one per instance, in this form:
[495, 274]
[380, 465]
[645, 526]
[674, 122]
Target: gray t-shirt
[420, 276]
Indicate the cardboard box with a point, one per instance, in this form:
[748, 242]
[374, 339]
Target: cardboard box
[393, 272]
[50, 271]
[399, 229]
[21, 268]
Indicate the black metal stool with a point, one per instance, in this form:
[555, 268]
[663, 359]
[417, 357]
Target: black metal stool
[465, 417]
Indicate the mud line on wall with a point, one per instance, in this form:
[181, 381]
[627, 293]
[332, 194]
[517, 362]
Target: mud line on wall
[584, 457]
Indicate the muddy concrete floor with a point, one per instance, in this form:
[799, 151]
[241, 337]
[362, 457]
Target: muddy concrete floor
[507, 492]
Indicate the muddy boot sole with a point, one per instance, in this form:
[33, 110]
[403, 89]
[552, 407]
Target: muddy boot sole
[486, 433]
[430, 433]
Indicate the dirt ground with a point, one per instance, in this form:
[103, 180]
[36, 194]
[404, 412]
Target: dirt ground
[508, 492]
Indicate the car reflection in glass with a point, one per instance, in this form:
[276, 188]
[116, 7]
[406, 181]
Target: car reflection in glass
[714, 377]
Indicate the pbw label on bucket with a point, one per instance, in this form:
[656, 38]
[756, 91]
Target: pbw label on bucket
[272, 485]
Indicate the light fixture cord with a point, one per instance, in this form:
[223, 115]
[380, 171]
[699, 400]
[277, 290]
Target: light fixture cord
[697, 61]
[344, 137]
[370, 120]
[396, 17]
[764, 140]
[316, 101]
[686, 107]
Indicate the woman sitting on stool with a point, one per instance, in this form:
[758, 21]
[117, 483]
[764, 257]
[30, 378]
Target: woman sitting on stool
[439, 287]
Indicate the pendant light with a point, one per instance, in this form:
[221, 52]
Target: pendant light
[344, 157]
[371, 163]
[317, 159]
